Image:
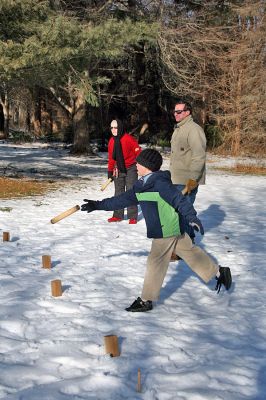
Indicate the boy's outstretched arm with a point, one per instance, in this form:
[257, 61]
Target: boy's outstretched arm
[110, 204]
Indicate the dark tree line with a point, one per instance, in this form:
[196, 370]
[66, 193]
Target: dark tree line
[68, 67]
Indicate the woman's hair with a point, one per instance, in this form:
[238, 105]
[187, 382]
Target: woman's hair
[120, 127]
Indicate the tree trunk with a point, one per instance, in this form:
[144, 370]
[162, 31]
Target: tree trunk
[6, 108]
[235, 148]
[80, 126]
[36, 112]
[2, 121]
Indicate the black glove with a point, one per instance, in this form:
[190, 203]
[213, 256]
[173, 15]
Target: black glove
[197, 225]
[89, 206]
[110, 175]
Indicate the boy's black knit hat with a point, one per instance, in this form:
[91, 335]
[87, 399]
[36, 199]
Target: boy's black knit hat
[150, 159]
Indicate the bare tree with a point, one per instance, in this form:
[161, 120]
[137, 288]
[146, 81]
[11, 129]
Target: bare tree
[220, 63]
[190, 54]
[243, 77]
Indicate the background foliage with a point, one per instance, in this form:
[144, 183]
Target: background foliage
[68, 67]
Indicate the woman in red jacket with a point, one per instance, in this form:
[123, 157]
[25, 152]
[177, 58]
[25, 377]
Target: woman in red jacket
[122, 152]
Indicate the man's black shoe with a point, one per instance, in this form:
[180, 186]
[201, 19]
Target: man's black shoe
[225, 279]
[140, 306]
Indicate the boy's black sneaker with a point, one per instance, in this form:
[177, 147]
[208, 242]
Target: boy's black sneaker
[225, 279]
[140, 306]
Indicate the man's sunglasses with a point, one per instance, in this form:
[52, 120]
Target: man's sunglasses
[179, 111]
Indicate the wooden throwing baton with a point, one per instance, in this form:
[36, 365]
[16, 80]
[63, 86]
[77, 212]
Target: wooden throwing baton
[104, 186]
[65, 214]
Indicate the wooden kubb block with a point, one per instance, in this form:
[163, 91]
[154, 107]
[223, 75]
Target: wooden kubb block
[46, 261]
[56, 288]
[111, 345]
[6, 236]
[139, 381]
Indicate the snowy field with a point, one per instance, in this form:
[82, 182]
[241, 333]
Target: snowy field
[194, 344]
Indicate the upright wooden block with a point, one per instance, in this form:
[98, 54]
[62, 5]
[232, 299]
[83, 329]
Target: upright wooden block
[139, 382]
[111, 345]
[56, 288]
[46, 261]
[6, 236]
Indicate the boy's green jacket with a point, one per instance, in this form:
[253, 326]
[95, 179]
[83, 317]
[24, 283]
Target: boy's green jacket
[163, 206]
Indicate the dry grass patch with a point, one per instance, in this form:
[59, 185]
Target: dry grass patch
[248, 169]
[13, 188]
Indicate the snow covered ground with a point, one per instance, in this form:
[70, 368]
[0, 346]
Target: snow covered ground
[194, 345]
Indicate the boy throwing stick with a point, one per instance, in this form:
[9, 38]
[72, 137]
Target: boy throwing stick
[165, 210]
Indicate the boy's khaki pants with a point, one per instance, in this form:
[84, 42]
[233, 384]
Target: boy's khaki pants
[159, 258]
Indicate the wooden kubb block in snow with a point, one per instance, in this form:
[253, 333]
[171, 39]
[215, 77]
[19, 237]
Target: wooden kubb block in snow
[139, 381]
[111, 345]
[56, 288]
[46, 261]
[6, 236]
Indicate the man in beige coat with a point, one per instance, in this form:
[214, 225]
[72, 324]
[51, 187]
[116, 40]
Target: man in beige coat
[188, 152]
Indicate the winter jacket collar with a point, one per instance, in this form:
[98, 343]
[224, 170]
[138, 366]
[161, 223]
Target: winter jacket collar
[162, 175]
[184, 121]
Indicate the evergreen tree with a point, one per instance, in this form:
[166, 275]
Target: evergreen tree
[62, 53]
